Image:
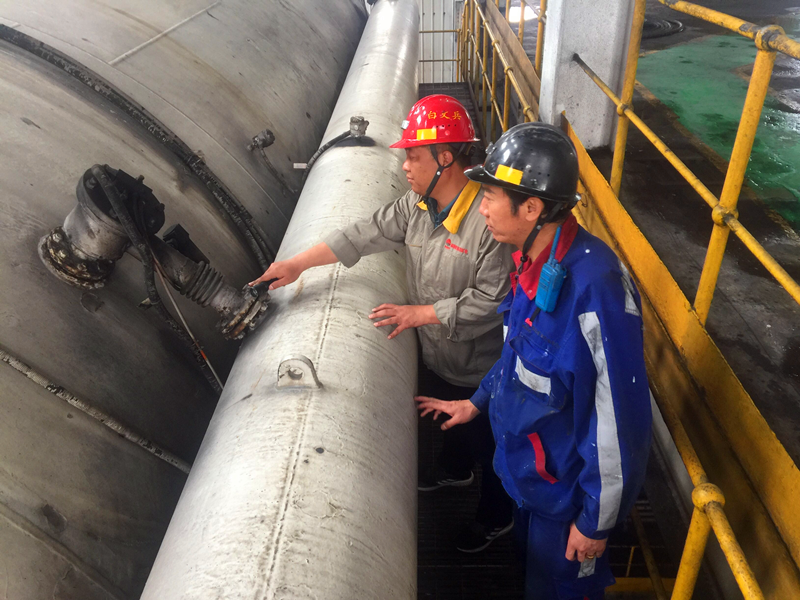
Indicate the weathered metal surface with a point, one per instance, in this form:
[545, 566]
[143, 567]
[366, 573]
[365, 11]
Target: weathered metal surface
[303, 492]
[216, 74]
[82, 509]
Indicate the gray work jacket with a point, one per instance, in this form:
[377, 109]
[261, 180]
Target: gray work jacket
[458, 267]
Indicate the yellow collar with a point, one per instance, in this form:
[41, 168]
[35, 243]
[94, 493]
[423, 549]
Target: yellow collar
[460, 208]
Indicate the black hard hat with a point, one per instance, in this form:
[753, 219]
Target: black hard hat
[533, 158]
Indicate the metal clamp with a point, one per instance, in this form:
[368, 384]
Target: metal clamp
[297, 371]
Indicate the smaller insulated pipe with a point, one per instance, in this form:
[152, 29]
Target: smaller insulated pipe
[305, 484]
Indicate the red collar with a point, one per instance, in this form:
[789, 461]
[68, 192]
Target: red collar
[529, 280]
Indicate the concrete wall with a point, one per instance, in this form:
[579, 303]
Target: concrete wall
[597, 30]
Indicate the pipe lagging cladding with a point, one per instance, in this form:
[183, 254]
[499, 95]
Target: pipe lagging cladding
[305, 484]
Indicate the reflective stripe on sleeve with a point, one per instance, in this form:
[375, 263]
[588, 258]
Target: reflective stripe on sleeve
[627, 283]
[608, 452]
[537, 383]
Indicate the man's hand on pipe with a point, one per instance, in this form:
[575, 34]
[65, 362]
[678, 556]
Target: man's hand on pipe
[460, 411]
[405, 316]
[287, 271]
[283, 272]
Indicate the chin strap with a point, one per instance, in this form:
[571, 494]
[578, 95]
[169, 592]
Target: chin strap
[557, 212]
[440, 169]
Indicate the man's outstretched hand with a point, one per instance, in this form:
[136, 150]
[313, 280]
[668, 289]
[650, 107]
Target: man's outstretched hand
[283, 273]
[405, 316]
[460, 411]
[287, 271]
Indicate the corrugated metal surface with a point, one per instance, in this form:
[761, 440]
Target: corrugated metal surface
[438, 15]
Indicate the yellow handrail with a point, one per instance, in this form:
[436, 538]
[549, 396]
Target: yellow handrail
[472, 58]
[777, 41]
[708, 499]
[726, 217]
[708, 513]
[724, 214]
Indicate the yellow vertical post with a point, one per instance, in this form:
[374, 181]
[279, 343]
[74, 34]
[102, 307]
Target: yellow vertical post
[508, 8]
[740, 156]
[494, 89]
[692, 557]
[506, 99]
[458, 49]
[630, 562]
[628, 85]
[465, 41]
[696, 539]
[537, 65]
[521, 20]
[474, 39]
[471, 58]
[483, 74]
[649, 558]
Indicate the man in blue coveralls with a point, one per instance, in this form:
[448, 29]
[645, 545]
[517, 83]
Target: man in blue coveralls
[568, 400]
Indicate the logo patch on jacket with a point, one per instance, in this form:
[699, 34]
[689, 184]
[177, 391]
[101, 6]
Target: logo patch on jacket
[449, 245]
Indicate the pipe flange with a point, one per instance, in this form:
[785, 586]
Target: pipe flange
[64, 261]
[246, 318]
[250, 321]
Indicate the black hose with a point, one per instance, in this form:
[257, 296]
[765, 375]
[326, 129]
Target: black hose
[132, 231]
[319, 152]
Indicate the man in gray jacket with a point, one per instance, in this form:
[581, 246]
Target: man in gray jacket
[457, 276]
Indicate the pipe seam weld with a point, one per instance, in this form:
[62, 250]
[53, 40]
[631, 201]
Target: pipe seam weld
[96, 414]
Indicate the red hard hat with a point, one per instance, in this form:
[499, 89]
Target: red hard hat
[436, 119]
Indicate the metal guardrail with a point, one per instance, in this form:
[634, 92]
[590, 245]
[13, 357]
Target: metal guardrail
[474, 35]
[707, 498]
[474, 39]
[708, 513]
[769, 40]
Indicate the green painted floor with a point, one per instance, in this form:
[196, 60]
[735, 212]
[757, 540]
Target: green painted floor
[703, 82]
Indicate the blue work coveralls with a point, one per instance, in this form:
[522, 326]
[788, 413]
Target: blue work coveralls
[569, 405]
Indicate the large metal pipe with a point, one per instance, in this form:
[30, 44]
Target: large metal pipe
[305, 484]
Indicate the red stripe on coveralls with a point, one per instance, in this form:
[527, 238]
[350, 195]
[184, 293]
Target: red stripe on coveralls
[538, 450]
